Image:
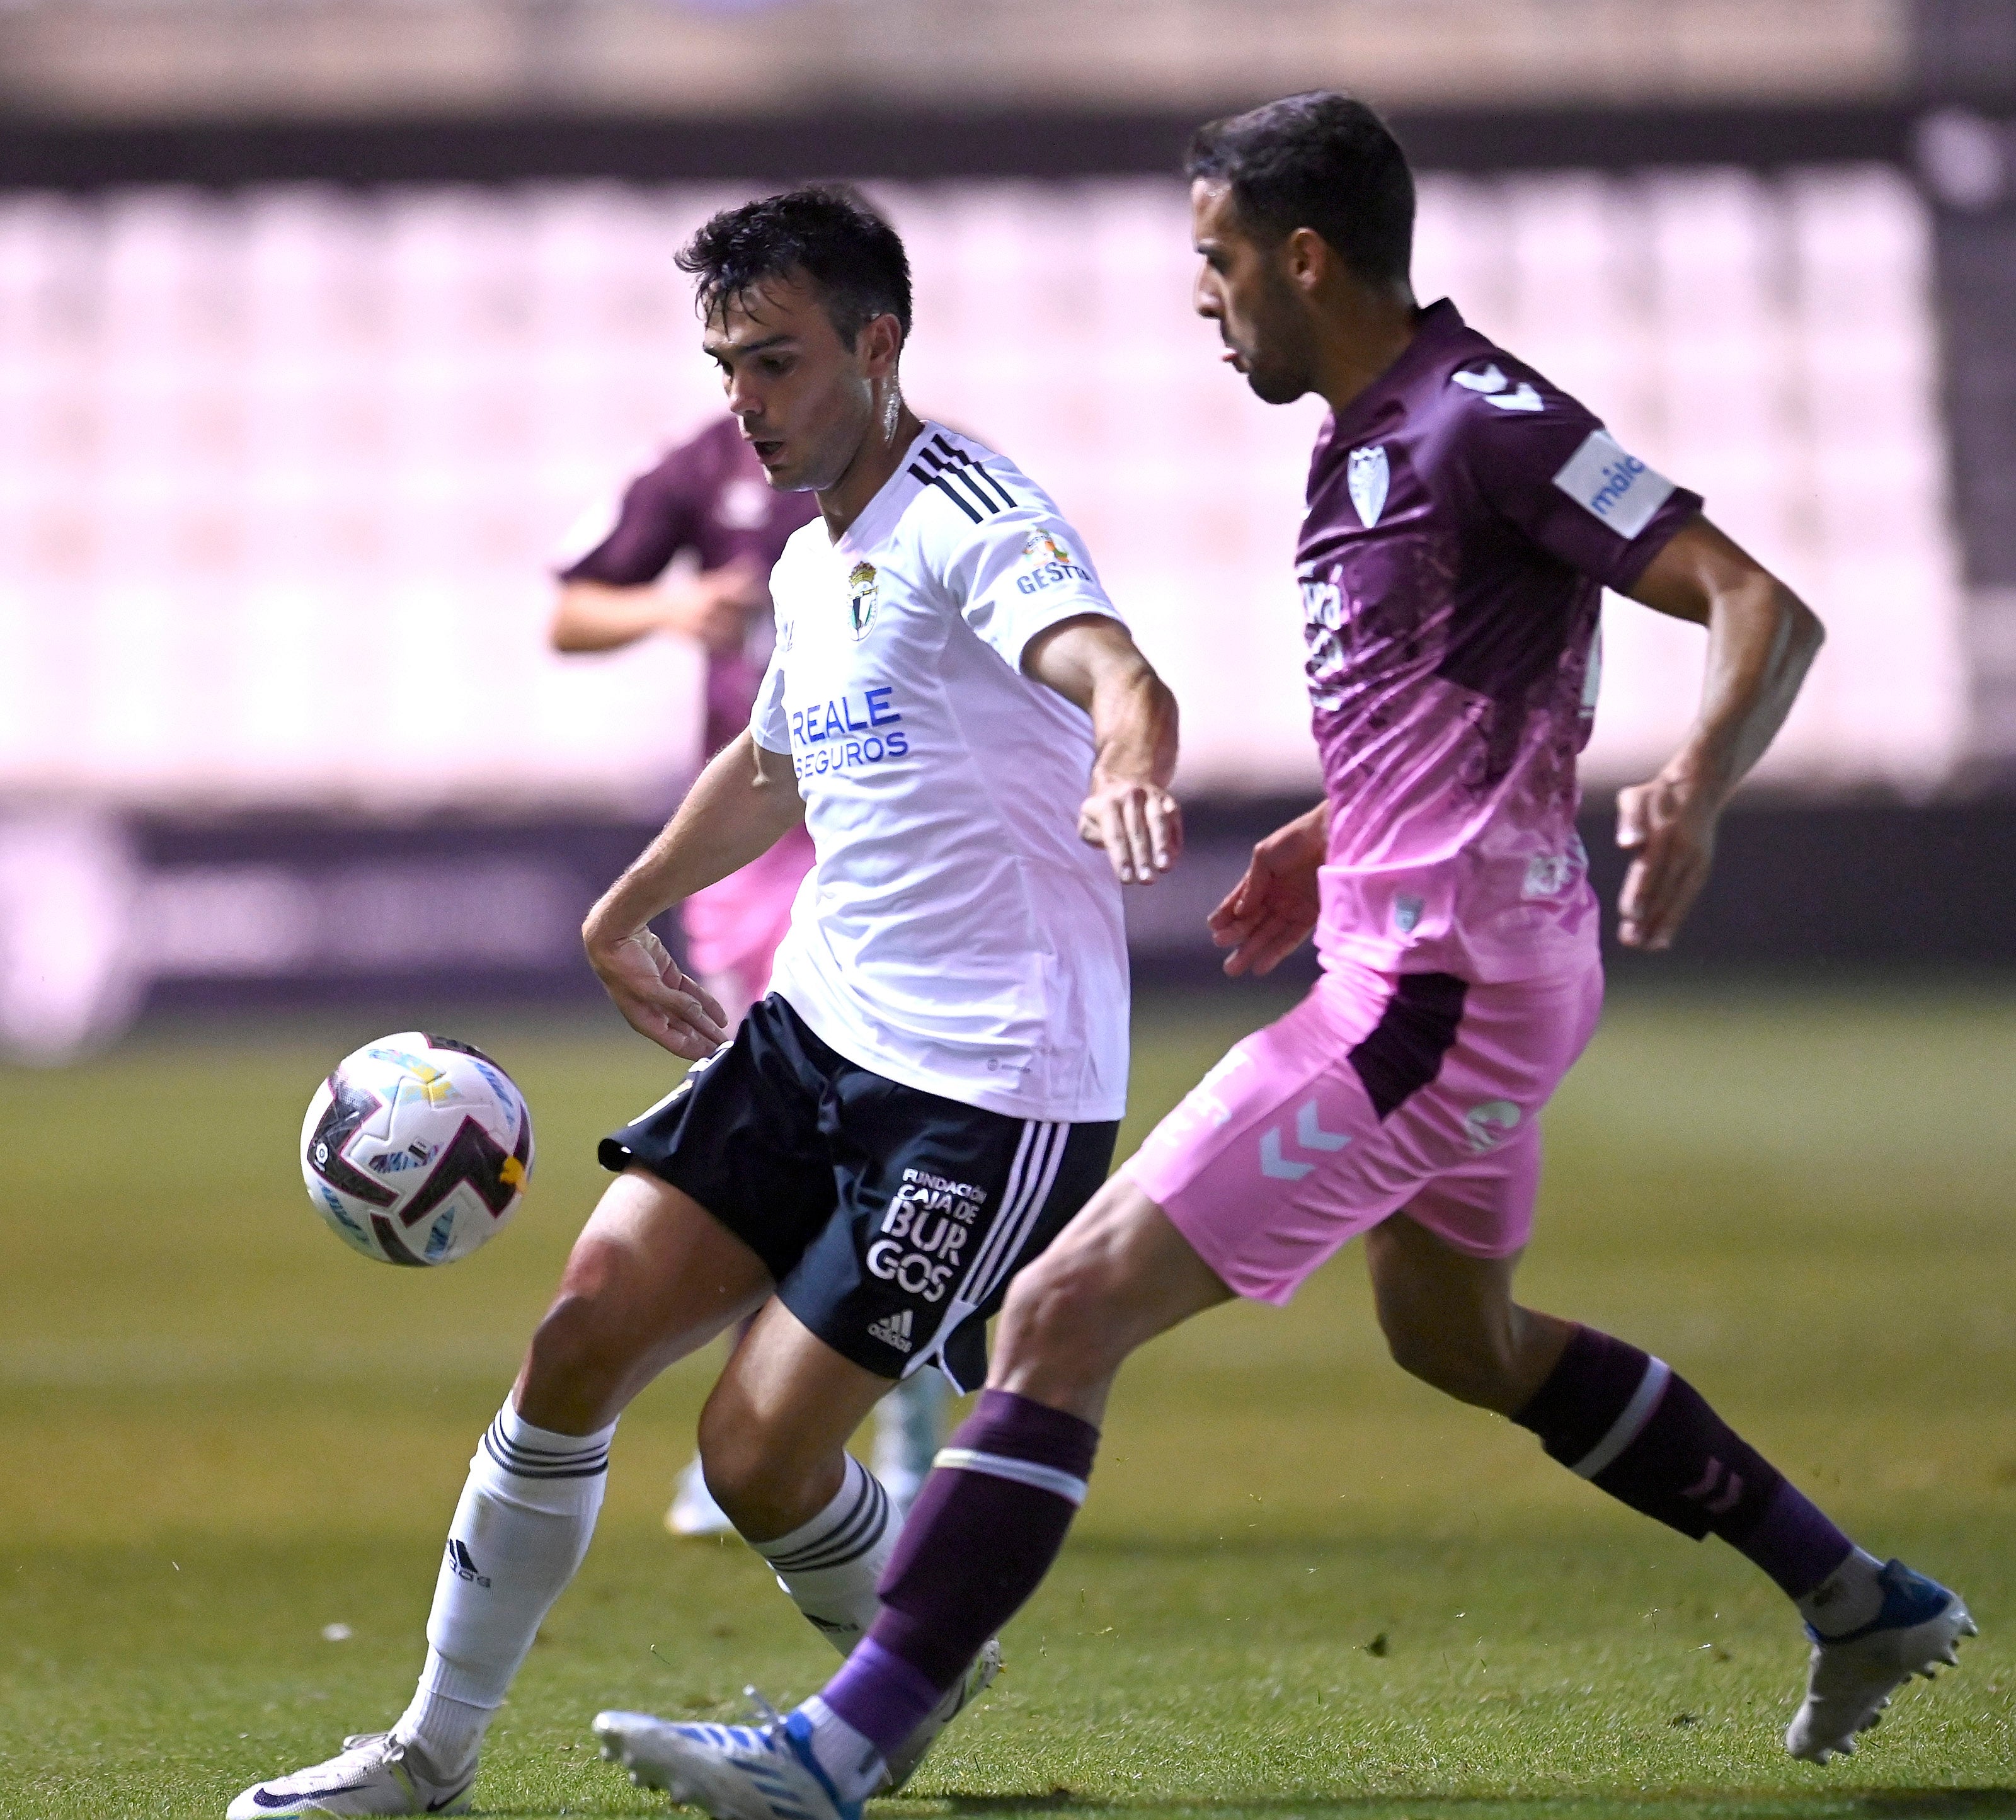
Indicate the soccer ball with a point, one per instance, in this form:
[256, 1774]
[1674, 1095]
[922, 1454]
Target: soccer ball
[416, 1149]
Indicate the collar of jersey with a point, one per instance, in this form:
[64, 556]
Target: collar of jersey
[1440, 324]
[864, 534]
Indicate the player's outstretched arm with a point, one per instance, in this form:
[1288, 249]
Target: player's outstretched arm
[1273, 910]
[1762, 638]
[745, 801]
[713, 609]
[1128, 810]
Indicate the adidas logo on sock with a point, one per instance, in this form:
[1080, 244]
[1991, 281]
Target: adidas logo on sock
[892, 1330]
[462, 1564]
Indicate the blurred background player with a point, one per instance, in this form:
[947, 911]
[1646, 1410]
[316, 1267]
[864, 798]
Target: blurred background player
[706, 501]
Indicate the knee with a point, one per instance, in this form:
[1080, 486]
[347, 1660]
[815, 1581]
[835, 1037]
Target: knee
[762, 1476]
[1472, 1364]
[1058, 1321]
[577, 1365]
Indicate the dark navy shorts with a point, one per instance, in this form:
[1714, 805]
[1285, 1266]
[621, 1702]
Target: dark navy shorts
[891, 1219]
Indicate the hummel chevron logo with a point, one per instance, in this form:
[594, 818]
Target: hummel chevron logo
[1309, 1134]
[1491, 383]
[1704, 1493]
[892, 1330]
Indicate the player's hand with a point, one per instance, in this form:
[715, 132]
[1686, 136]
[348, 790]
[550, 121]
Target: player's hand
[657, 1000]
[1273, 910]
[1669, 826]
[714, 609]
[1138, 825]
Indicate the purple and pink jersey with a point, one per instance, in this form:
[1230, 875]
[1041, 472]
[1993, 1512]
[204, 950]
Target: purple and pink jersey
[1465, 516]
[709, 496]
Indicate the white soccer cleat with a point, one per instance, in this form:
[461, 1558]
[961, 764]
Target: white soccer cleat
[1851, 1678]
[735, 1772]
[693, 1511]
[969, 1688]
[372, 1773]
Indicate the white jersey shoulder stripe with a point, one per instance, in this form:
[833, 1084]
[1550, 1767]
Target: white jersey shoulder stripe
[964, 481]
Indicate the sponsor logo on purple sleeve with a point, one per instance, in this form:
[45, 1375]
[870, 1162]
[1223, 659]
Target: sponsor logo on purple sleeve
[1613, 486]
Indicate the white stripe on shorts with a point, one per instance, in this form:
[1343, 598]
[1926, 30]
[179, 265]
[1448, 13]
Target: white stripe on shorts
[1044, 1174]
[1023, 1174]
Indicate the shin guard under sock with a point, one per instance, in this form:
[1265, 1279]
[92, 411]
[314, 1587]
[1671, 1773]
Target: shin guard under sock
[978, 1541]
[1635, 1429]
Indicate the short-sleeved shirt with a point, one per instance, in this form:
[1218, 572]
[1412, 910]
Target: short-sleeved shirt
[956, 935]
[709, 496]
[1465, 516]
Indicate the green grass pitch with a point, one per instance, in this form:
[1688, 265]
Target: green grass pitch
[1304, 1586]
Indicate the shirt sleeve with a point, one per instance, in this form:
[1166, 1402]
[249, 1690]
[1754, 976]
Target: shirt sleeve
[1020, 571]
[631, 544]
[769, 725]
[1547, 463]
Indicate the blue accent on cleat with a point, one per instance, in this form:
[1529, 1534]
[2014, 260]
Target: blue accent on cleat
[1909, 1599]
[1851, 1677]
[798, 1735]
[735, 1772]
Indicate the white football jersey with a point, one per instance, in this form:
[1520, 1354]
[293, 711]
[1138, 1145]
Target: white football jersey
[955, 935]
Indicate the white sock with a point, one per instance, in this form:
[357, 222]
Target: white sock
[1848, 1598]
[519, 1533]
[850, 1761]
[829, 1565]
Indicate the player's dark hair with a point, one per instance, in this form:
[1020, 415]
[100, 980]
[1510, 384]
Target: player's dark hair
[1322, 161]
[823, 232]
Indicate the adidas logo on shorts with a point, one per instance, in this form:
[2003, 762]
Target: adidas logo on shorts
[892, 1330]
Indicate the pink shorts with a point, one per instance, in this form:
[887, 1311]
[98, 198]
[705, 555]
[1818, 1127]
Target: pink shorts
[1380, 1092]
[733, 928]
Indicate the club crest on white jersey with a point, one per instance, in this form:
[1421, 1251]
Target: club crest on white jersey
[861, 600]
[1368, 476]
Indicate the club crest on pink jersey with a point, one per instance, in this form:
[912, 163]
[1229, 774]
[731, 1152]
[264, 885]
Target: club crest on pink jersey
[1368, 477]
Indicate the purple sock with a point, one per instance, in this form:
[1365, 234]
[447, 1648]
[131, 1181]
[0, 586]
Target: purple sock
[880, 1695]
[1635, 1428]
[978, 1541]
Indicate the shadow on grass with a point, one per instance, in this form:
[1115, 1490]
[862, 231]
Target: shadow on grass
[1848, 1803]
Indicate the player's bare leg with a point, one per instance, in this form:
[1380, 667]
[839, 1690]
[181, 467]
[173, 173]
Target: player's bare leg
[1120, 1274]
[653, 1277]
[1007, 1487]
[773, 1443]
[773, 1434]
[1636, 1429]
[907, 1419]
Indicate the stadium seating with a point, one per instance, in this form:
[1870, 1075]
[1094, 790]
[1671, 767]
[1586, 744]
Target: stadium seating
[283, 469]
